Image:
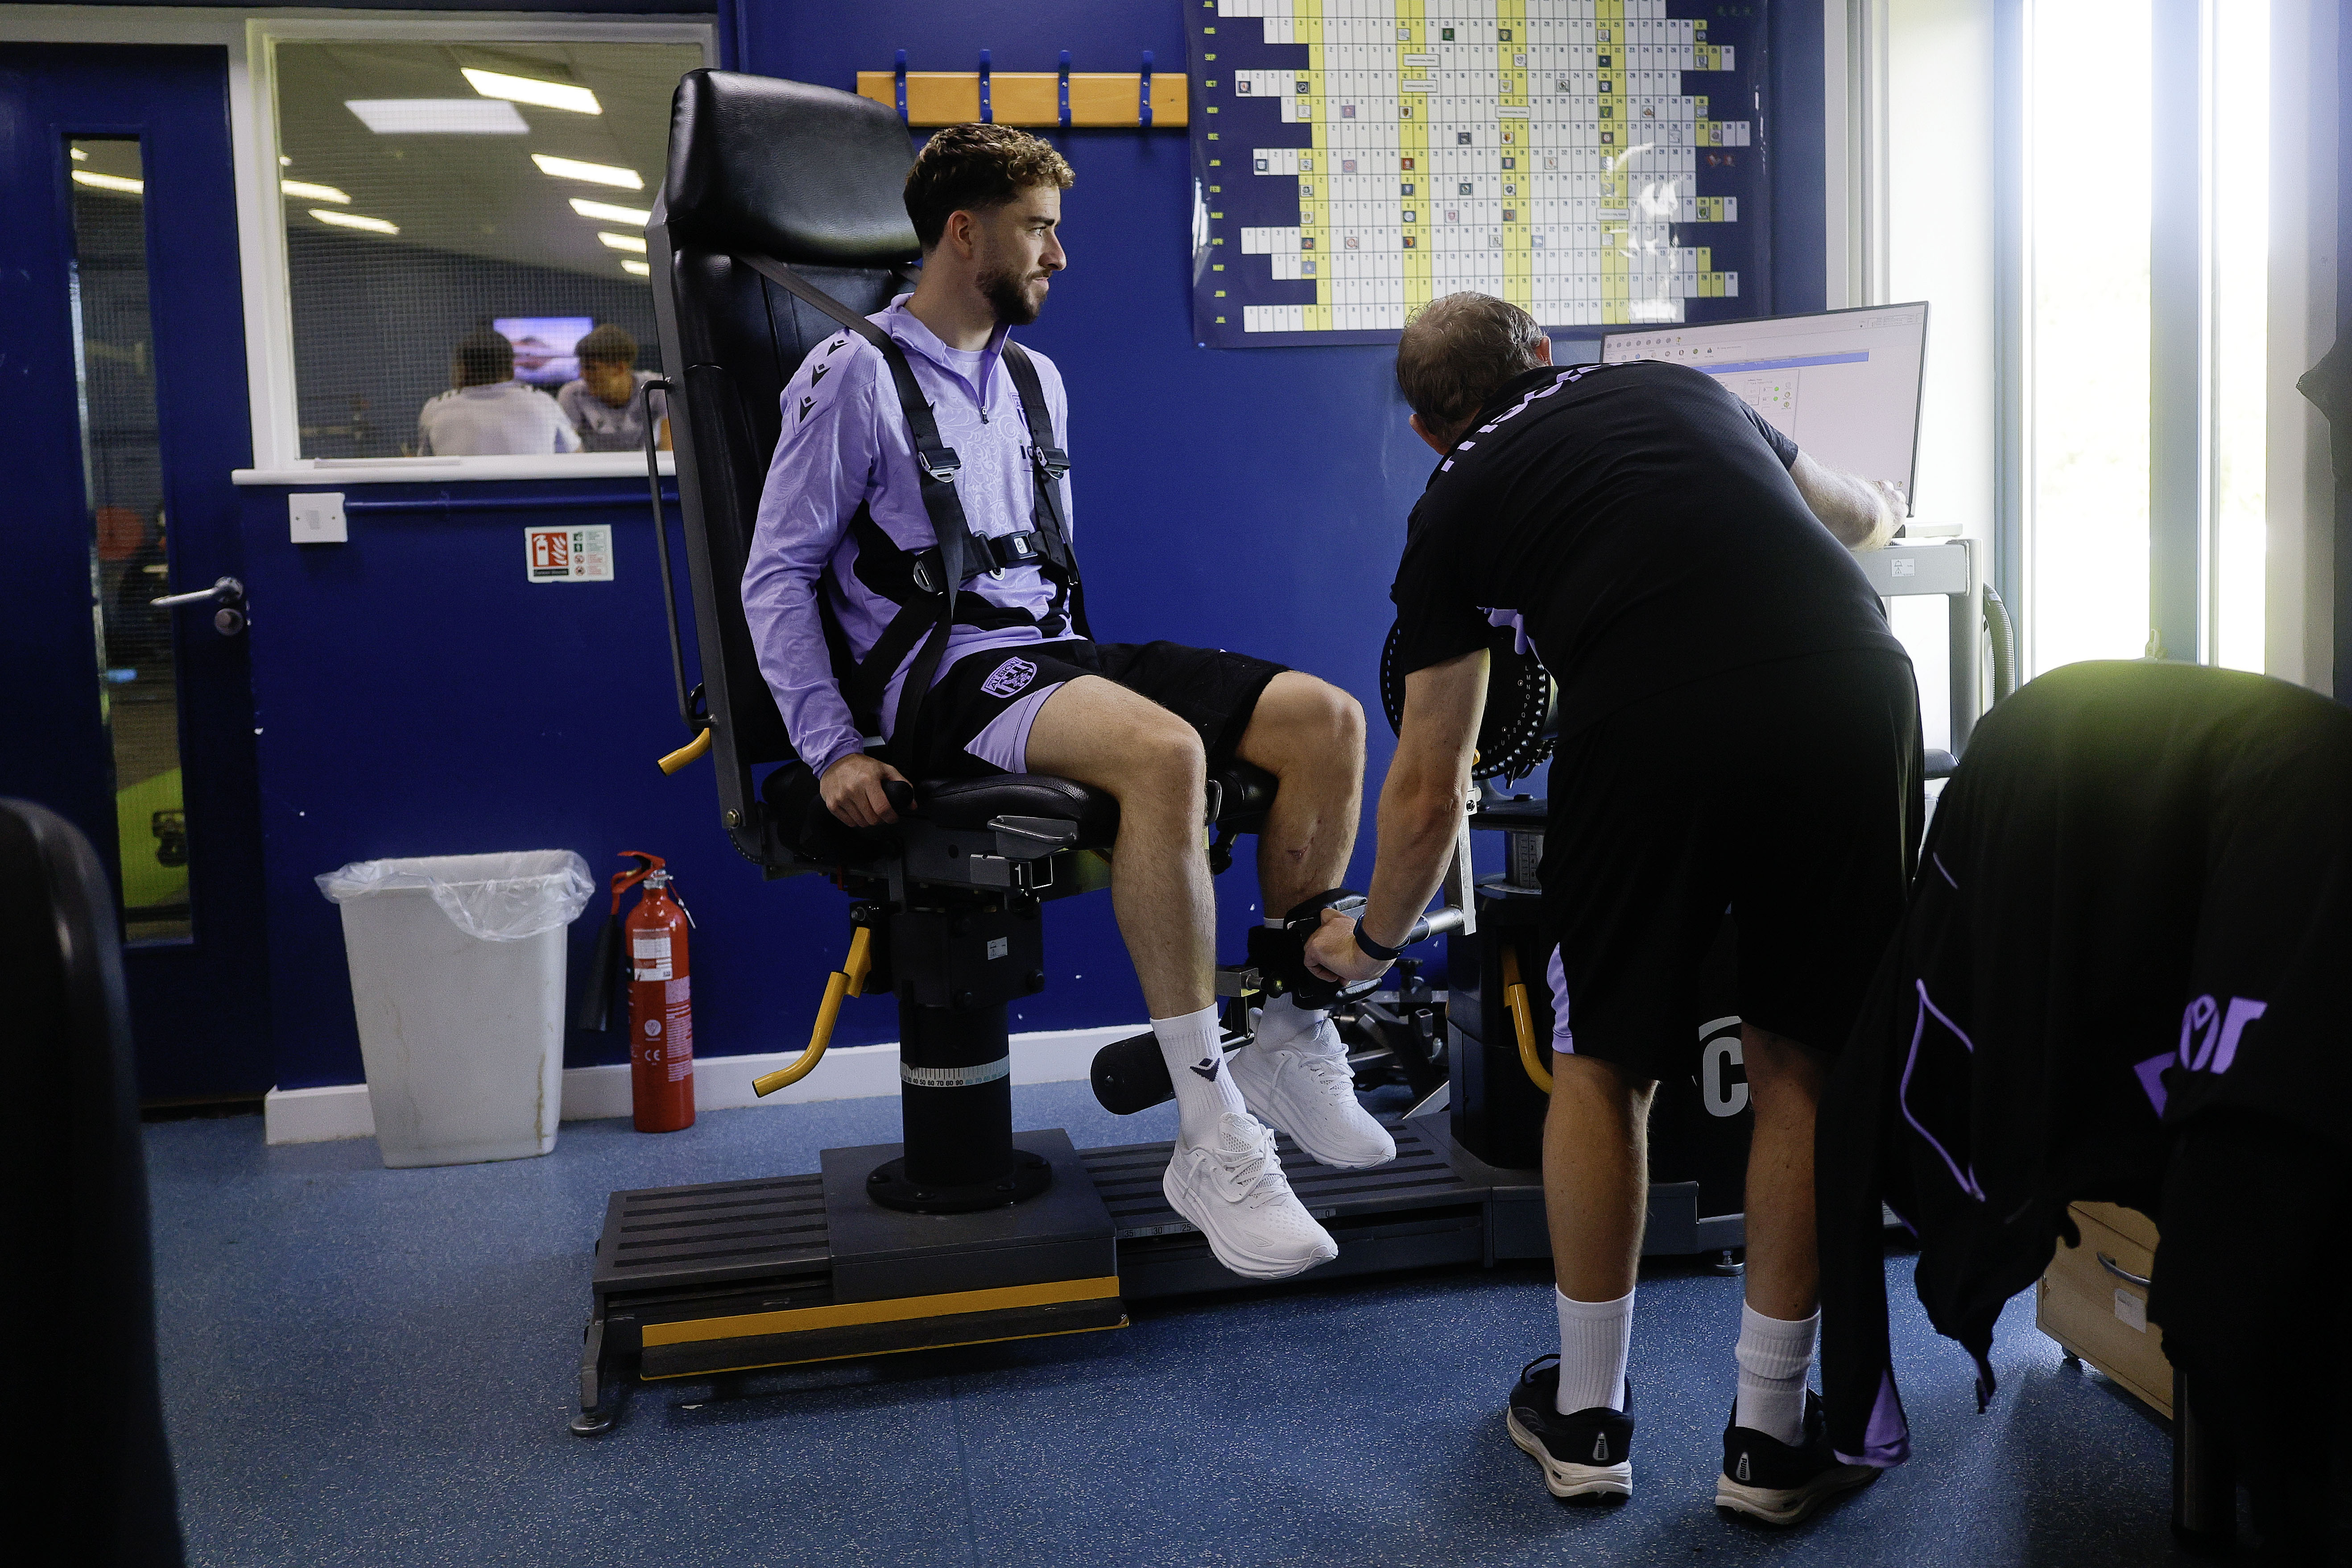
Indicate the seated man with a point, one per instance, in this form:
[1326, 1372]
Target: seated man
[1019, 687]
[604, 404]
[1737, 727]
[487, 413]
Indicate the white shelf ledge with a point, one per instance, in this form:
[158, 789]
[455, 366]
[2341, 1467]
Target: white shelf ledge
[315, 471]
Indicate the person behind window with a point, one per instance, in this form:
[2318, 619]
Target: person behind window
[604, 404]
[488, 413]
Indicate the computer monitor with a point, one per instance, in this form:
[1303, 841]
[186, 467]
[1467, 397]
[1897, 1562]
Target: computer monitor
[1843, 385]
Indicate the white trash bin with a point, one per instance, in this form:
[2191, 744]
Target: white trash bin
[457, 978]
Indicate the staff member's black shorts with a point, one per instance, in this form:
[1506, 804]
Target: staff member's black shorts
[1790, 793]
[1214, 691]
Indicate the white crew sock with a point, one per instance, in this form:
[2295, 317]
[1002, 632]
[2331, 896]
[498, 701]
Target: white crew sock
[1595, 1338]
[1773, 1355]
[1196, 1065]
[1283, 1022]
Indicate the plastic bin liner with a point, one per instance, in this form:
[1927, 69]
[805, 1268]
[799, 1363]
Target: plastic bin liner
[499, 897]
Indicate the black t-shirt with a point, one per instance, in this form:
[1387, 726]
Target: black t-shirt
[1641, 520]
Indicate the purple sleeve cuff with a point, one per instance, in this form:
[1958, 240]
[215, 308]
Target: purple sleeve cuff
[848, 747]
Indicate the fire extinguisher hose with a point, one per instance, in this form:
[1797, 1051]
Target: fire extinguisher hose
[1523, 1020]
[847, 981]
[688, 753]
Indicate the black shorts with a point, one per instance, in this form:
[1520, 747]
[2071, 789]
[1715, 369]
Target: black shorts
[1790, 793]
[1210, 688]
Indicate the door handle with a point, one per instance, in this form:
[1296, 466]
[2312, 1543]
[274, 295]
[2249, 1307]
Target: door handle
[2122, 1273]
[227, 593]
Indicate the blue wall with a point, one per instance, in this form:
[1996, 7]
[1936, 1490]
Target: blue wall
[417, 695]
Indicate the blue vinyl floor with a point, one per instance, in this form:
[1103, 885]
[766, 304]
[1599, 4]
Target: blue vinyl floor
[373, 1366]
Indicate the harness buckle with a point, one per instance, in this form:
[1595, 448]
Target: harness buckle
[928, 570]
[1054, 461]
[1015, 549]
[940, 463]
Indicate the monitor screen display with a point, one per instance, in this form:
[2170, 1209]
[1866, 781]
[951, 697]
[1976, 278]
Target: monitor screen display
[544, 346]
[1843, 385]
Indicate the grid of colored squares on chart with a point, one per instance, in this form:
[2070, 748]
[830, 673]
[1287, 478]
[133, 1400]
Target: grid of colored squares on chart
[1594, 161]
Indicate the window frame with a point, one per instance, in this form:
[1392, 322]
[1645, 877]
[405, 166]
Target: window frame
[261, 228]
[2303, 573]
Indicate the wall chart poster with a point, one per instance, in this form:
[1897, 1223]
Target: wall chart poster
[1594, 161]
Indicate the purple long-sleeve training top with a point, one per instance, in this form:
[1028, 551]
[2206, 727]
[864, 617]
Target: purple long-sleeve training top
[845, 442]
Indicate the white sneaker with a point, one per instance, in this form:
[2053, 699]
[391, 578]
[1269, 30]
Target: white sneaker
[1305, 1088]
[1234, 1189]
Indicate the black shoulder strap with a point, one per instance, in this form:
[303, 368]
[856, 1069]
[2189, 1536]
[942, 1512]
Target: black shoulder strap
[936, 463]
[1048, 463]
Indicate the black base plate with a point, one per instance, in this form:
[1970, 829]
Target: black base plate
[890, 1185]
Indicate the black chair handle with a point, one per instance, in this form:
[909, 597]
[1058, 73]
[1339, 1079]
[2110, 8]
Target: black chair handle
[688, 706]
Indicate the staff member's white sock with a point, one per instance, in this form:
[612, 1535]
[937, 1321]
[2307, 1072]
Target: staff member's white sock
[1192, 1045]
[1773, 1355]
[1595, 1338]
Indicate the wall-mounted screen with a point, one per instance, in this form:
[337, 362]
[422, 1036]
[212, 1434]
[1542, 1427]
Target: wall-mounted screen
[544, 346]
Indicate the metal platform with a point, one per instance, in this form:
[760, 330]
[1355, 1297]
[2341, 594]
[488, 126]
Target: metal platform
[729, 1276]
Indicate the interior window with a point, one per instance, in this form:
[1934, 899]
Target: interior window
[464, 242]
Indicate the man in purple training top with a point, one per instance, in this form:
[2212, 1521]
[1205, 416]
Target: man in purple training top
[1018, 690]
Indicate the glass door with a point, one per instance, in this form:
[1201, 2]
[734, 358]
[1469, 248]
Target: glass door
[121, 309]
[114, 378]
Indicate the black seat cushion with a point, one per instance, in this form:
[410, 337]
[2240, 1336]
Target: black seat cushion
[967, 804]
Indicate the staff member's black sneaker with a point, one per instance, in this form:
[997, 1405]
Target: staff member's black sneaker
[1765, 1479]
[1588, 1455]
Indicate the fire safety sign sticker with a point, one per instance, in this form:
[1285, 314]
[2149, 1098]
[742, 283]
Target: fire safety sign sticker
[569, 555]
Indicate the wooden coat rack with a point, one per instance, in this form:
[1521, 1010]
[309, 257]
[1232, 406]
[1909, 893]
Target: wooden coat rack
[1145, 100]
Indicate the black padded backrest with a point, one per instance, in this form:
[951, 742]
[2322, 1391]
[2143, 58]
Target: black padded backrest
[78, 1230]
[811, 177]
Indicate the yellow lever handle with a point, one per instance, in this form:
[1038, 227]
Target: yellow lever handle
[1523, 1021]
[685, 753]
[849, 981]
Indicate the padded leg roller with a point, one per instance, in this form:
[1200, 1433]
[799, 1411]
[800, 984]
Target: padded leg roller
[1131, 1074]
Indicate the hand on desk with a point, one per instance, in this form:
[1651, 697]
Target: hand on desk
[1332, 952]
[852, 789]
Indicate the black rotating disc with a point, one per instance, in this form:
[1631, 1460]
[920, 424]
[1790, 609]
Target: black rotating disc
[1517, 728]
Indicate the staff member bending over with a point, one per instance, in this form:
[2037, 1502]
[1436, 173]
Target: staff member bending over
[1017, 692]
[1737, 728]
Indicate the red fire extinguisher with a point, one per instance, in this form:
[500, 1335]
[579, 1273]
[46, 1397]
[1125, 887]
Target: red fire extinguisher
[661, 1014]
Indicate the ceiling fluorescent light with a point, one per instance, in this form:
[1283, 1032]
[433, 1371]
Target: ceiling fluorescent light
[526, 90]
[78, 155]
[439, 116]
[354, 220]
[610, 213]
[595, 174]
[112, 183]
[310, 193]
[636, 269]
[622, 241]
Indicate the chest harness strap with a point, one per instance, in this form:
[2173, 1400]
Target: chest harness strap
[927, 584]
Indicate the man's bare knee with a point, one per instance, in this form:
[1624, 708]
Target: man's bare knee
[1589, 1078]
[1164, 759]
[1301, 720]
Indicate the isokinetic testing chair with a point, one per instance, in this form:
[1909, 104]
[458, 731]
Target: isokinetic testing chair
[780, 224]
